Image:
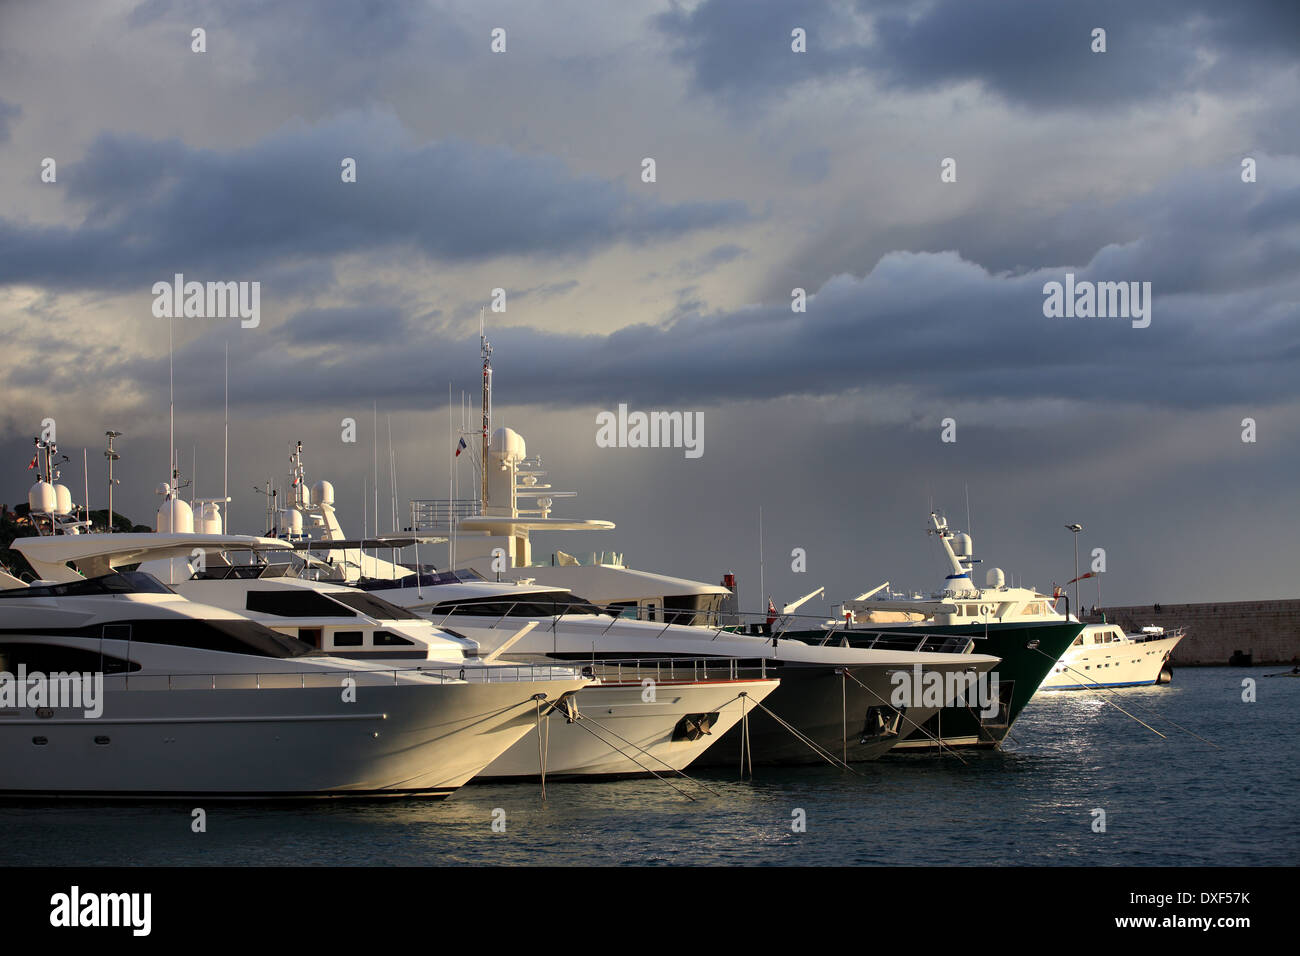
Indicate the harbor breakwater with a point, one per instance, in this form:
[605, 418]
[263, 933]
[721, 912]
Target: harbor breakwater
[1268, 631]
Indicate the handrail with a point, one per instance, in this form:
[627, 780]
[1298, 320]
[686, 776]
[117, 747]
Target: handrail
[470, 672]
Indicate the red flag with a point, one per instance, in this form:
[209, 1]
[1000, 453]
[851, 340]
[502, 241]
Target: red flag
[771, 611]
[33, 463]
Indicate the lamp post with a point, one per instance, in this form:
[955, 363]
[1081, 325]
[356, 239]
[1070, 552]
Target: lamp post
[112, 456]
[1075, 529]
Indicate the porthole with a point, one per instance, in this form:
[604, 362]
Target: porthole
[40, 741]
[101, 740]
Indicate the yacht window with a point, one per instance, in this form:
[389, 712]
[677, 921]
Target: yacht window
[51, 658]
[236, 636]
[536, 605]
[119, 582]
[389, 639]
[347, 639]
[374, 606]
[424, 579]
[295, 602]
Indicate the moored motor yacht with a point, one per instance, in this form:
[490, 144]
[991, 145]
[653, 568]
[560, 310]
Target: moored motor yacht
[630, 722]
[1018, 625]
[197, 700]
[1104, 656]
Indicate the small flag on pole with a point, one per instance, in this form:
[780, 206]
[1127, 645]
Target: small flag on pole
[459, 448]
[32, 464]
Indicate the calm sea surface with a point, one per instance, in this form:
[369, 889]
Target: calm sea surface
[1175, 801]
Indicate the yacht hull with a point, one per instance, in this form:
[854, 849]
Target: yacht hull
[395, 739]
[845, 711]
[621, 733]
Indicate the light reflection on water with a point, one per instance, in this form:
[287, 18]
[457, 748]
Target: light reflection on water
[1172, 801]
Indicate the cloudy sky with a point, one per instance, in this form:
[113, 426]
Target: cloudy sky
[775, 170]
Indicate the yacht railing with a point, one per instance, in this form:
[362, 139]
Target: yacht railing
[810, 628]
[659, 669]
[470, 672]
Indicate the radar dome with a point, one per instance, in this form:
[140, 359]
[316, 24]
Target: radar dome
[961, 545]
[210, 518]
[995, 578]
[323, 493]
[42, 497]
[291, 521]
[175, 517]
[62, 500]
[508, 446]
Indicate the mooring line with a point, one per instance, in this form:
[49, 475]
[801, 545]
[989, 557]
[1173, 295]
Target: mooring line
[541, 751]
[649, 770]
[806, 740]
[937, 740]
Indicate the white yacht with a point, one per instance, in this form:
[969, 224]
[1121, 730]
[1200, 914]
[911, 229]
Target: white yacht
[628, 727]
[1104, 656]
[197, 700]
[202, 700]
[1019, 625]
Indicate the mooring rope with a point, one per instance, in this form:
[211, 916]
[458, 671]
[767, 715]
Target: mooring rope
[806, 740]
[938, 741]
[580, 722]
[541, 750]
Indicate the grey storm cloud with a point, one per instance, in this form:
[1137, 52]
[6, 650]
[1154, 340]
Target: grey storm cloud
[1225, 327]
[152, 207]
[1030, 52]
[8, 113]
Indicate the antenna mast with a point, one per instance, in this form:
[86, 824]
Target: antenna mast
[485, 349]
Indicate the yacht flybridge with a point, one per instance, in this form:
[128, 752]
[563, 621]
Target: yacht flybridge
[1018, 625]
[520, 502]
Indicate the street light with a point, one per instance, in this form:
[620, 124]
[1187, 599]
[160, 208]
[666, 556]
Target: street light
[1076, 528]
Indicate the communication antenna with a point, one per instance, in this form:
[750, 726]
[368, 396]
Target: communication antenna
[485, 349]
[171, 401]
[225, 467]
[112, 456]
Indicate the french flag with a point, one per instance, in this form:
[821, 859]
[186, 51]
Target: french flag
[461, 447]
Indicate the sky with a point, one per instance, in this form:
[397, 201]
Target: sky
[922, 171]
